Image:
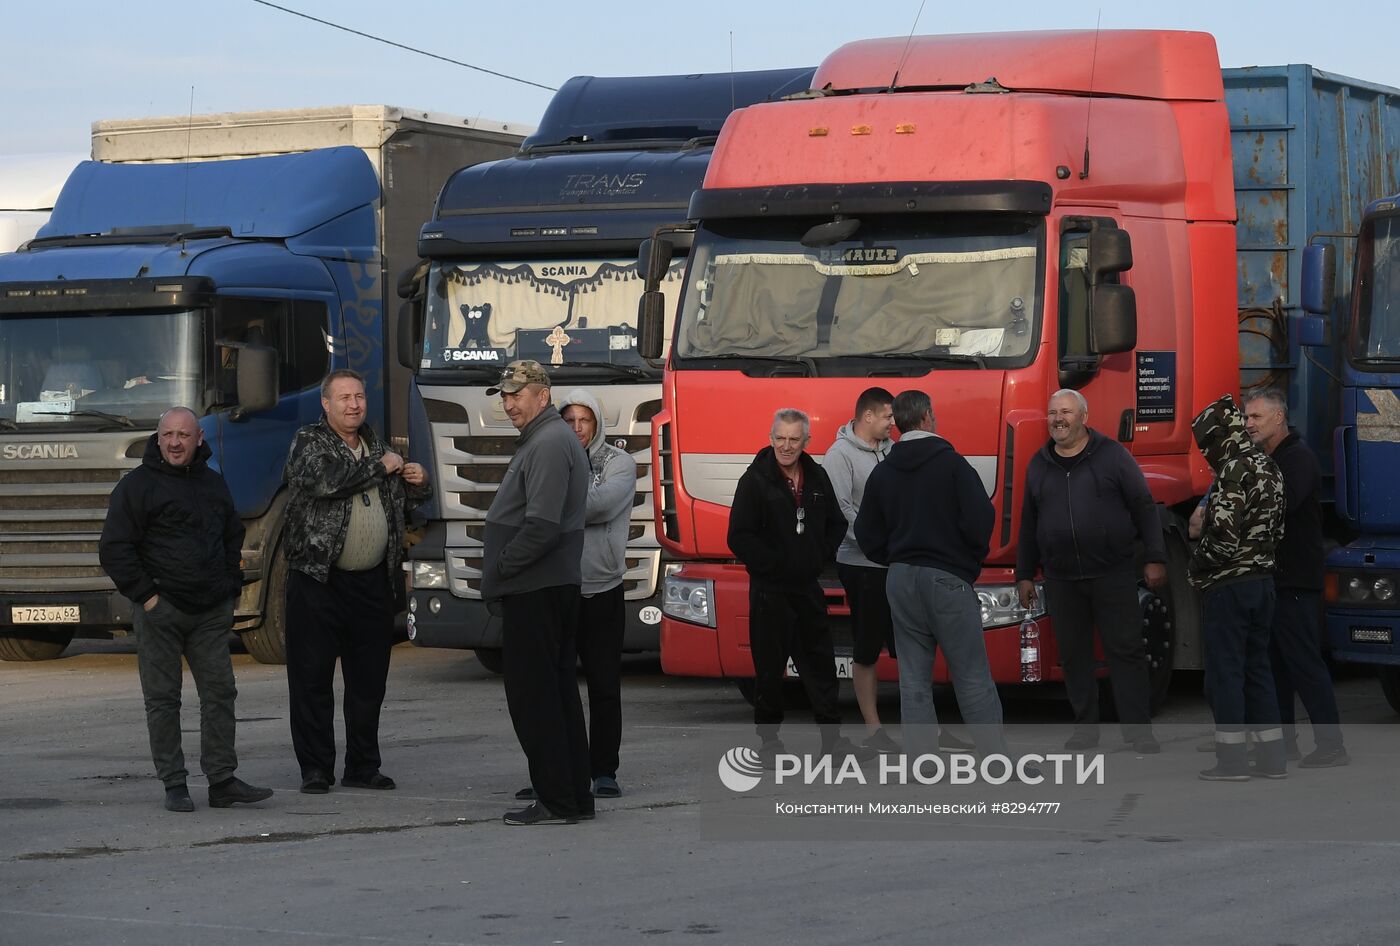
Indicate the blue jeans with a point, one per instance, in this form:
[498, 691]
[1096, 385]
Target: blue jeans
[1238, 616]
[932, 609]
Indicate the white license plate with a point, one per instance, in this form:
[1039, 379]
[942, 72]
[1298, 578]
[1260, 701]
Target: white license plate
[49, 614]
[843, 668]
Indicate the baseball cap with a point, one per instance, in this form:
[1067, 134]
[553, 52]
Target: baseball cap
[517, 374]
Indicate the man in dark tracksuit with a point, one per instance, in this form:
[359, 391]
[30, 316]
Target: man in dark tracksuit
[532, 567]
[1295, 645]
[1233, 566]
[1086, 506]
[344, 545]
[785, 526]
[171, 544]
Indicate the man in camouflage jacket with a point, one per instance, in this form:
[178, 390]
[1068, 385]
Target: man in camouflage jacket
[1233, 565]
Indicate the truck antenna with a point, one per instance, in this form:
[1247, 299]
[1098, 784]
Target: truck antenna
[1089, 111]
[731, 70]
[189, 136]
[894, 79]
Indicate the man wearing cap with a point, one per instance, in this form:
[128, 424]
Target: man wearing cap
[531, 570]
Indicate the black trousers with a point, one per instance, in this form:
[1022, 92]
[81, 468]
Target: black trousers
[786, 624]
[350, 618]
[1110, 604]
[1295, 654]
[1237, 620]
[601, 619]
[538, 633]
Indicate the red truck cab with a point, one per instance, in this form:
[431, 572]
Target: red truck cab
[987, 218]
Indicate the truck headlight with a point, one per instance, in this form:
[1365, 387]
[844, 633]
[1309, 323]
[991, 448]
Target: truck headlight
[429, 575]
[1001, 606]
[1361, 588]
[689, 599]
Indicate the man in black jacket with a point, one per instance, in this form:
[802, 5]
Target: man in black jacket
[171, 544]
[785, 526]
[926, 515]
[1295, 641]
[1086, 507]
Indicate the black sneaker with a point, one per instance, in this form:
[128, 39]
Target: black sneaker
[881, 742]
[1218, 774]
[1146, 745]
[536, 814]
[1081, 741]
[178, 799]
[769, 751]
[235, 791]
[316, 782]
[843, 747]
[526, 794]
[375, 780]
[1259, 771]
[1325, 759]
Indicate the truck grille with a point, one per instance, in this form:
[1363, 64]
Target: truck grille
[50, 523]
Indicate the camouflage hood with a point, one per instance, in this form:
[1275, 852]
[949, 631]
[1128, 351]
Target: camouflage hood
[1220, 433]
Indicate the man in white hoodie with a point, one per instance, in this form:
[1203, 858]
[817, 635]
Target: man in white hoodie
[612, 490]
[859, 446]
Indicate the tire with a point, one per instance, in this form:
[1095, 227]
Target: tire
[267, 643]
[1390, 686]
[492, 658]
[48, 647]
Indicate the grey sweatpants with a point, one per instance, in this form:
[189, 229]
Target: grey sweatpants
[932, 609]
[163, 636]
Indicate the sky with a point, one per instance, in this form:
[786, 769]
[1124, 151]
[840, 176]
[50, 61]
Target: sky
[67, 63]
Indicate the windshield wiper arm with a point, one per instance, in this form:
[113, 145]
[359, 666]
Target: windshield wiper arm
[120, 419]
[629, 370]
[807, 363]
[936, 358]
[7, 424]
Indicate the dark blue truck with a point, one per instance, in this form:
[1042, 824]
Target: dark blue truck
[535, 256]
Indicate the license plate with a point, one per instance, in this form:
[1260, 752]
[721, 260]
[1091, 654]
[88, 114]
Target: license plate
[49, 614]
[1370, 635]
[843, 668]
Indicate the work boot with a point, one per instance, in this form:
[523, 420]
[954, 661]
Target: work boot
[177, 798]
[235, 791]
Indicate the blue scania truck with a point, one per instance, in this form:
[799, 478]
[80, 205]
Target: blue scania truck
[535, 256]
[229, 283]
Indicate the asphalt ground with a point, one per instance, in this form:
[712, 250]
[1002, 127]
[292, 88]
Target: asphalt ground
[89, 855]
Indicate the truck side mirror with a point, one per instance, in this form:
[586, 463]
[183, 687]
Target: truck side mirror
[651, 322]
[1110, 251]
[1112, 319]
[1319, 277]
[409, 343]
[257, 380]
[653, 259]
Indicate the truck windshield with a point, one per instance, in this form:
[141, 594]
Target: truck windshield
[54, 368]
[1375, 335]
[938, 291]
[579, 312]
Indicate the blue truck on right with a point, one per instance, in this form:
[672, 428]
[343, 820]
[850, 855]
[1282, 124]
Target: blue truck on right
[1362, 588]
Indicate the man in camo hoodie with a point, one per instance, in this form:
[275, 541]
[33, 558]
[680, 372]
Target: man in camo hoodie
[1233, 566]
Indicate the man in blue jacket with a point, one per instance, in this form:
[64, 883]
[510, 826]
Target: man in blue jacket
[926, 515]
[1086, 508]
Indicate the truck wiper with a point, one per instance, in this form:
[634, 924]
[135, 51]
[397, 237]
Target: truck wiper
[119, 419]
[7, 424]
[808, 363]
[632, 371]
[935, 358]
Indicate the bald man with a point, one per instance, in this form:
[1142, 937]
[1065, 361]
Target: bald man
[171, 544]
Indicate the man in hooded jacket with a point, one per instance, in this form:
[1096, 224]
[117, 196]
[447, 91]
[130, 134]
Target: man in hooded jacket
[1233, 566]
[926, 515]
[172, 544]
[612, 490]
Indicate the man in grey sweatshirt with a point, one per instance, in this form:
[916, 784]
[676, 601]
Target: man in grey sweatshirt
[612, 490]
[531, 569]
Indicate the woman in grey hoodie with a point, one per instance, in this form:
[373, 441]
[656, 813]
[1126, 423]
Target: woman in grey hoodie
[612, 488]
